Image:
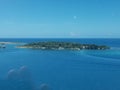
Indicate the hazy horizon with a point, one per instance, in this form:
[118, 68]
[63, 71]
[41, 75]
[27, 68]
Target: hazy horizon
[59, 19]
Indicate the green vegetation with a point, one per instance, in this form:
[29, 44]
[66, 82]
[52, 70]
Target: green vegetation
[63, 46]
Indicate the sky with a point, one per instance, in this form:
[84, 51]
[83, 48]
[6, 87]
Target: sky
[59, 18]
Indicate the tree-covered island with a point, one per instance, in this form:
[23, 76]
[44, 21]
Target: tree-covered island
[63, 46]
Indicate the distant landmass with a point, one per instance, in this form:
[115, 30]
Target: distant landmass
[63, 46]
[3, 44]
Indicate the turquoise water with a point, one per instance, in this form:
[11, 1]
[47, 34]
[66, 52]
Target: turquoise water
[64, 70]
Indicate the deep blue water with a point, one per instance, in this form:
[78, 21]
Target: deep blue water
[66, 70]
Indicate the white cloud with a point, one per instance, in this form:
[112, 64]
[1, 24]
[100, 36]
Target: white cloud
[74, 34]
[74, 17]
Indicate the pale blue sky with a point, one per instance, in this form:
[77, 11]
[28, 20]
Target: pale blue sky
[60, 18]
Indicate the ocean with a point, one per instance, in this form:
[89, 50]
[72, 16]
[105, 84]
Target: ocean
[61, 70]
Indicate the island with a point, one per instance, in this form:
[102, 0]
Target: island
[2, 45]
[63, 46]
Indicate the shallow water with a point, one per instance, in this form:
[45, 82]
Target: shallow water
[66, 70]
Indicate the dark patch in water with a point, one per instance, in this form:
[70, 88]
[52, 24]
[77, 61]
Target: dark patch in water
[20, 80]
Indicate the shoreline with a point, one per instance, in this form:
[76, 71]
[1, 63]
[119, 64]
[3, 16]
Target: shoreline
[63, 46]
[2, 42]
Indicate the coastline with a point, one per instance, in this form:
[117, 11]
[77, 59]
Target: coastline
[11, 42]
[62, 46]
